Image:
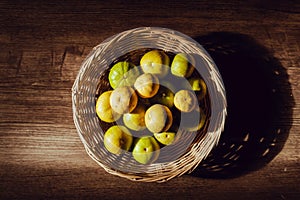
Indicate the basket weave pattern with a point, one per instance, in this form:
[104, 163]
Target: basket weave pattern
[86, 86]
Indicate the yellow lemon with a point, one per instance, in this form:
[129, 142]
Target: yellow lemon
[155, 62]
[185, 100]
[158, 118]
[147, 85]
[135, 120]
[123, 99]
[199, 86]
[193, 121]
[104, 110]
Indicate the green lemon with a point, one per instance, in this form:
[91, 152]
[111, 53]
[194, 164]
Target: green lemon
[117, 139]
[146, 150]
[123, 74]
[199, 86]
[181, 66]
[165, 138]
[164, 96]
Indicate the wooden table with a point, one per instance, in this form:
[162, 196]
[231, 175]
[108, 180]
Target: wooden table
[255, 45]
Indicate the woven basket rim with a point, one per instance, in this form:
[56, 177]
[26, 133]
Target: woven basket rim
[187, 163]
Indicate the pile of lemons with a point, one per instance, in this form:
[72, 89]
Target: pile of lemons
[142, 99]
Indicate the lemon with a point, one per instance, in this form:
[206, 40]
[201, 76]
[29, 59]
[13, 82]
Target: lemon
[155, 62]
[117, 139]
[185, 100]
[135, 120]
[181, 66]
[104, 110]
[146, 150]
[147, 85]
[199, 86]
[123, 74]
[165, 138]
[123, 99]
[164, 96]
[158, 118]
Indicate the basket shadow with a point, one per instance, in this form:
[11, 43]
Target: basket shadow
[260, 106]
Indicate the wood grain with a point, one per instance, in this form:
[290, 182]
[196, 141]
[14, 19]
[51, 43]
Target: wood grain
[42, 46]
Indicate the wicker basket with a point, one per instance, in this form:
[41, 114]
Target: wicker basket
[91, 79]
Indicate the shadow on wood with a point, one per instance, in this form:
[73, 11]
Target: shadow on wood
[260, 106]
